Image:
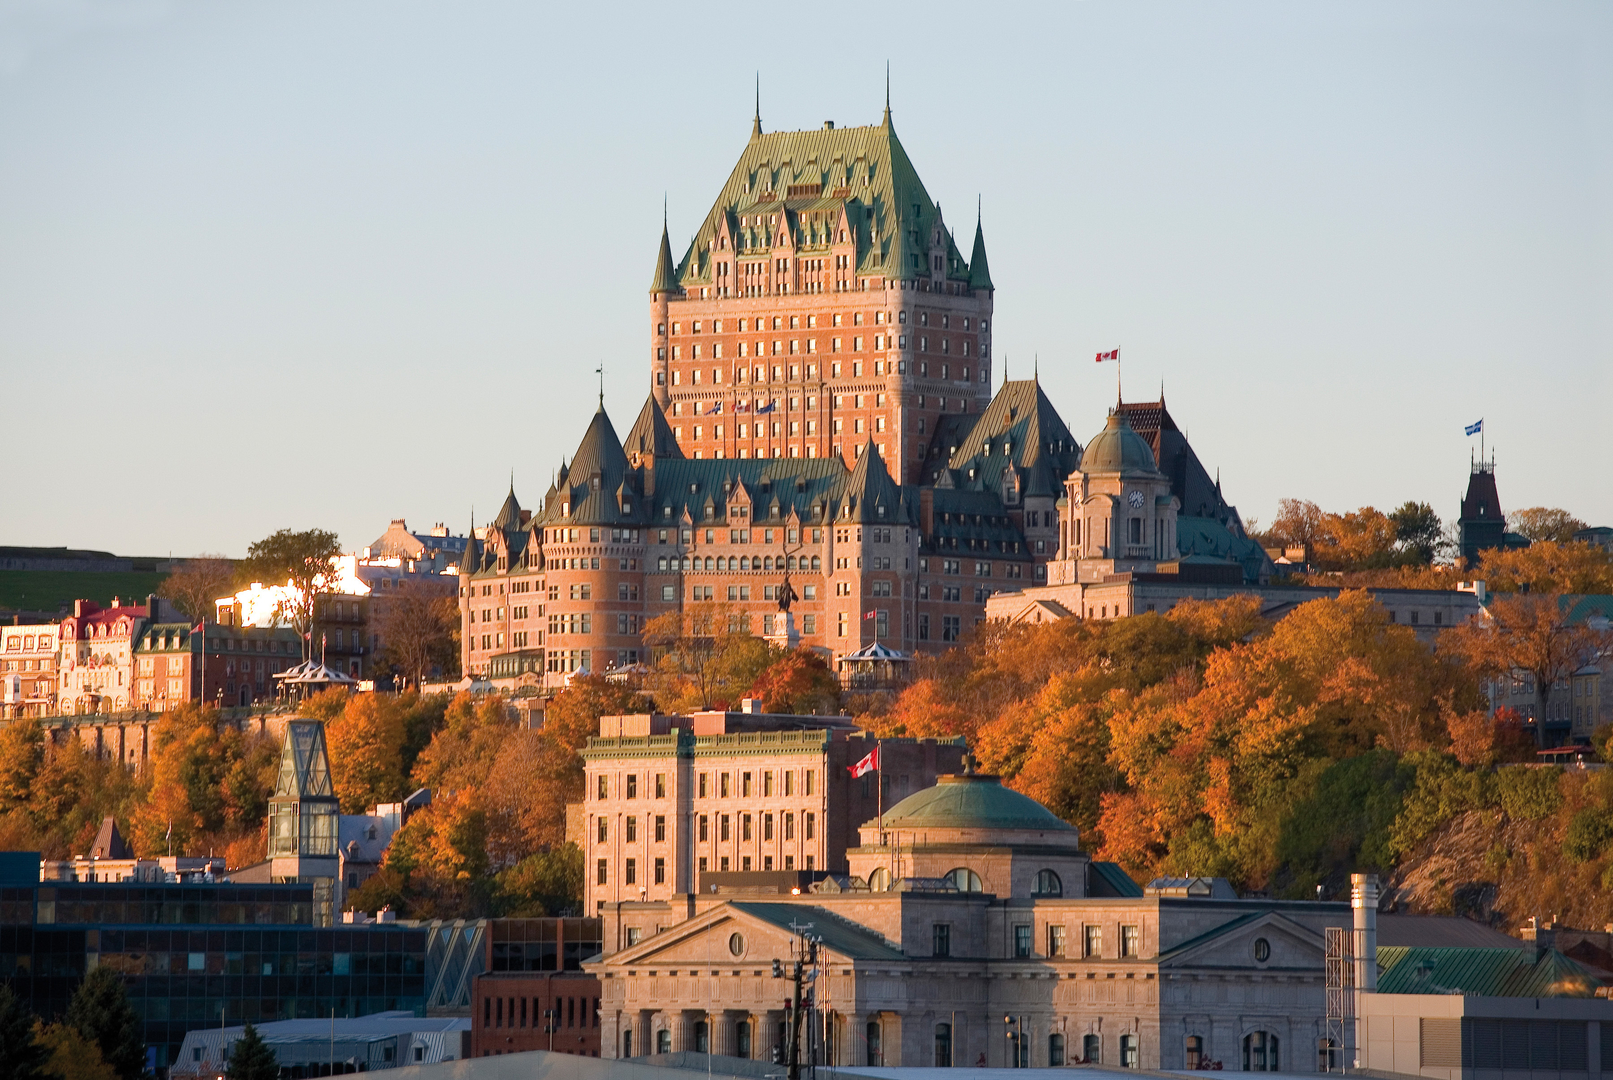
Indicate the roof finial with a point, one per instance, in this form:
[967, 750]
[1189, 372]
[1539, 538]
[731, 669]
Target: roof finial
[980, 204]
[1036, 368]
[756, 124]
[600, 371]
[512, 480]
[887, 93]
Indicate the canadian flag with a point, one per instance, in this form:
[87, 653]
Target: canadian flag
[867, 764]
[868, 615]
[1112, 354]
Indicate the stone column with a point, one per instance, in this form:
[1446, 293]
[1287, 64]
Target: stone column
[610, 1039]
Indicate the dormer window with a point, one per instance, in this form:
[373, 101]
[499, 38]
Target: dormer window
[565, 509]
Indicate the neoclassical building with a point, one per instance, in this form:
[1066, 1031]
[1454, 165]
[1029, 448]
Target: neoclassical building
[972, 929]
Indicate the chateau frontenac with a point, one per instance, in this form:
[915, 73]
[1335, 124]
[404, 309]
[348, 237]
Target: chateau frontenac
[820, 459]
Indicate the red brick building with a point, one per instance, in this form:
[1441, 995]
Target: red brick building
[534, 994]
[823, 304]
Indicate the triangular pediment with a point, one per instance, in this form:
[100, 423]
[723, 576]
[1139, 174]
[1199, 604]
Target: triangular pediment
[1233, 944]
[710, 939]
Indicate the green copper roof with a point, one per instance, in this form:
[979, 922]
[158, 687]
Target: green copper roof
[1482, 972]
[971, 801]
[796, 189]
[1117, 448]
[979, 272]
[666, 272]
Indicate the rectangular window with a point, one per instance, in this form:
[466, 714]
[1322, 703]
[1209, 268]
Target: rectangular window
[1093, 947]
[632, 829]
[703, 831]
[660, 828]
[723, 827]
[632, 785]
[601, 871]
[744, 826]
[941, 939]
[603, 829]
[604, 786]
[1055, 940]
[811, 826]
[660, 785]
[1022, 940]
[1130, 941]
[660, 871]
[630, 872]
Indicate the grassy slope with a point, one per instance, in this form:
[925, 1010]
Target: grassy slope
[51, 590]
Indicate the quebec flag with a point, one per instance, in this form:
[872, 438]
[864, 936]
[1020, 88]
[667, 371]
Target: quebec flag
[1474, 429]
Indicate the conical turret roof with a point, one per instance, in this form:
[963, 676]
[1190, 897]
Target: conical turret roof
[509, 515]
[979, 271]
[666, 271]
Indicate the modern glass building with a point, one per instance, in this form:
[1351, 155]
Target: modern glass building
[209, 955]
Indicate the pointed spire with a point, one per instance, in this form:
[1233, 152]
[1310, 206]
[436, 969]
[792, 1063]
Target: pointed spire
[469, 562]
[600, 371]
[979, 269]
[666, 271]
[756, 124]
[887, 120]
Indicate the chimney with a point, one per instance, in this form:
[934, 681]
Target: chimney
[1364, 902]
[1543, 936]
[78, 609]
[151, 607]
[927, 511]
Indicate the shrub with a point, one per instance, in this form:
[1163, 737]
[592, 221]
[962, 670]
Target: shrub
[1589, 832]
[1529, 794]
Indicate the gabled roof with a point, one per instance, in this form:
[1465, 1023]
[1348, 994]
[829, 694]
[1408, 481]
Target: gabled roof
[845, 938]
[1191, 483]
[862, 171]
[1021, 430]
[1265, 916]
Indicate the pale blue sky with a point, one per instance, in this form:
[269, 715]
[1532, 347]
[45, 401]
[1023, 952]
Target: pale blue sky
[311, 264]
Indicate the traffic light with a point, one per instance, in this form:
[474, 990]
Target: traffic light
[778, 969]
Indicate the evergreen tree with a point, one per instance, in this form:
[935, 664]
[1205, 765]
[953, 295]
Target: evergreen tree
[101, 1012]
[23, 1056]
[252, 1059]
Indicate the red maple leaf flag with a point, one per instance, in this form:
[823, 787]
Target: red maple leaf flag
[868, 615]
[1112, 354]
[867, 765]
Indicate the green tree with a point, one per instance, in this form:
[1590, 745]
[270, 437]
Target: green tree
[546, 884]
[300, 559]
[251, 1058]
[101, 1012]
[24, 1057]
[1419, 534]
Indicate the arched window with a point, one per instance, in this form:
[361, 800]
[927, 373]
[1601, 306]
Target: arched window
[876, 1051]
[1129, 1052]
[966, 879]
[1048, 884]
[1055, 1049]
[943, 1046]
[742, 1039]
[815, 563]
[1261, 1052]
[663, 1041]
[702, 1040]
[879, 880]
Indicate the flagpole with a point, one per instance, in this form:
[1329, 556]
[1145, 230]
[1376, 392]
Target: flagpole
[879, 789]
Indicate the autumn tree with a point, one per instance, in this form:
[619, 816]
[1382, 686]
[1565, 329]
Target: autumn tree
[206, 783]
[1298, 523]
[198, 583]
[1549, 567]
[1529, 633]
[72, 1056]
[1541, 523]
[706, 657]
[461, 754]
[303, 561]
[365, 743]
[797, 682]
[417, 635]
[1359, 539]
[22, 753]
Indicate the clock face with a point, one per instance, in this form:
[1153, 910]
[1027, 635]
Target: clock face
[1136, 500]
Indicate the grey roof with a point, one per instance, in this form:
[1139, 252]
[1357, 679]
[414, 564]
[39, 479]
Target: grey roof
[1441, 931]
[845, 938]
[1022, 434]
[353, 837]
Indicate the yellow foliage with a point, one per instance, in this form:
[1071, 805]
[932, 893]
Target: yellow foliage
[72, 1056]
[1548, 567]
[365, 743]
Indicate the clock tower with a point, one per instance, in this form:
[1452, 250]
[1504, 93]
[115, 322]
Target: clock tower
[1122, 515]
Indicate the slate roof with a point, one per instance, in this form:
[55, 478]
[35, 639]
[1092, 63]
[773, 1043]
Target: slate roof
[1112, 880]
[651, 434]
[1022, 431]
[794, 173]
[1482, 972]
[1441, 931]
[845, 938]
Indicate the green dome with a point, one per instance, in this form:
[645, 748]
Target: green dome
[971, 801]
[1117, 448]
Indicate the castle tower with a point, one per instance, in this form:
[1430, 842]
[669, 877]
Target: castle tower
[822, 303]
[1122, 512]
[1481, 527]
